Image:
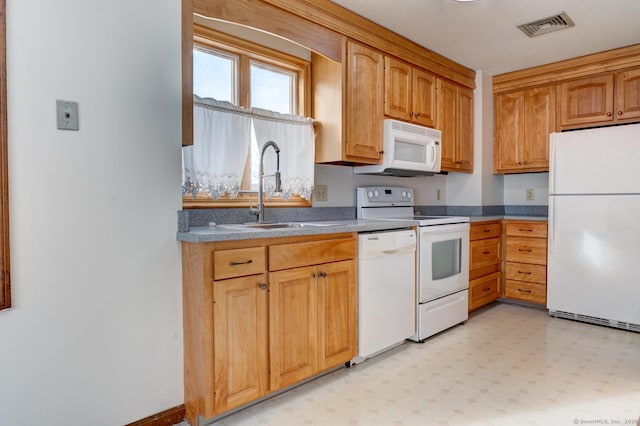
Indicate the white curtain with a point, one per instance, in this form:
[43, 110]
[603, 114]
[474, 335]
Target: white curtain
[215, 162]
[295, 137]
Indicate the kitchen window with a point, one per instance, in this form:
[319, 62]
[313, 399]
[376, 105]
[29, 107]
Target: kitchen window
[247, 75]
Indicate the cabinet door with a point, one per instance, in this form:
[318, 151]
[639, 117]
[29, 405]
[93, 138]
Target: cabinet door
[423, 98]
[397, 89]
[587, 100]
[628, 94]
[293, 325]
[240, 341]
[364, 104]
[464, 131]
[447, 123]
[337, 330]
[509, 125]
[539, 122]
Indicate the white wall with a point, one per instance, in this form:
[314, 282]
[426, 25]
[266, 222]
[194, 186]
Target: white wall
[94, 335]
[342, 183]
[515, 189]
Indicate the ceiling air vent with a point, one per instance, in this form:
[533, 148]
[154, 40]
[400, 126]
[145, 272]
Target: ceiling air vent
[547, 25]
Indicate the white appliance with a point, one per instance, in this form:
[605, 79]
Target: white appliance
[594, 226]
[386, 290]
[409, 150]
[443, 257]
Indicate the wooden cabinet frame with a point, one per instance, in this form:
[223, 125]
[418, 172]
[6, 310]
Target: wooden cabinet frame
[5, 270]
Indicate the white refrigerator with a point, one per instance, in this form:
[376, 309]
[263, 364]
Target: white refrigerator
[593, 272]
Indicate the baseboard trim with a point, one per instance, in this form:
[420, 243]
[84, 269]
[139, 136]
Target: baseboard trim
[168, 417]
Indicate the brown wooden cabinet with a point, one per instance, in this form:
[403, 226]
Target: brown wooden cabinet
[348, 101]
[260, 315]
[607, 98]
[409, 93]
[455, 120]
[524, 119]
[526, 261]
[484, 263]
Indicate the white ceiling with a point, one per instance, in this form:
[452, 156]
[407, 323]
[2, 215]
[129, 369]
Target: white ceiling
[483, 35]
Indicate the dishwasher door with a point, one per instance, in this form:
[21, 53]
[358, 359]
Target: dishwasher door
[386, 290]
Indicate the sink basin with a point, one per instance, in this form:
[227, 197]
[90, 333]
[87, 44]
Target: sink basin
[283, 225]
[279, 225]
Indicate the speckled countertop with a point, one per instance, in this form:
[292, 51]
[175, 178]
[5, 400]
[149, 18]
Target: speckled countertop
[204, 234]
[506, 217]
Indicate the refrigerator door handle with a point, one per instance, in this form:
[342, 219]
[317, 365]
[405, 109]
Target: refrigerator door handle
[551, 231]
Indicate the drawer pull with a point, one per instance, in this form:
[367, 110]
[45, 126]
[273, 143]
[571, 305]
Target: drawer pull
[486, 252]
[321, 275]
[486, 289]
[525, 230]
[523, 272]
[524, 291]
[245, 262]
[526, 250]
[487, 230]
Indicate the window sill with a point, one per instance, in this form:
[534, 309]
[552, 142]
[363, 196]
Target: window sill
[241, 201]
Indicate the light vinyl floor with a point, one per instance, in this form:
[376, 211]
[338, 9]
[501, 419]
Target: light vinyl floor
[508, 365]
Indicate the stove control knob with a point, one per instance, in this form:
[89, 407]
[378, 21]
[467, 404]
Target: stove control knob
[370, 194]
[404, 194]
[408, 194]
[376, 193]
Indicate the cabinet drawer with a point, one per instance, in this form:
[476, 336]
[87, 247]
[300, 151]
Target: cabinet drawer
[527, 250]
[482, 231]
[529, 292]
[238, 262]
[526, 272]
[484, 290]
[286, 256]
[484, 253]
[519, 228]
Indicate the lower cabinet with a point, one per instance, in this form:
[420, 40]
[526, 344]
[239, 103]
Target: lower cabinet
[261, 315]
[484, 263]
[526, 261]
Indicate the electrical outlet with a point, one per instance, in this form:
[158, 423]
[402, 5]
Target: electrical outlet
[530, 194]
[67, 115]
[320, 192]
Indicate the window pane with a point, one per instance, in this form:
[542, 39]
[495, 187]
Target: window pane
[214, 75]
[273, 89]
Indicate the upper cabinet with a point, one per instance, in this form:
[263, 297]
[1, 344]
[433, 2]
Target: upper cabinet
[601, 99]
[523, 121]
[455, 120]
[594, 90]
[348, 101]
[409, 93]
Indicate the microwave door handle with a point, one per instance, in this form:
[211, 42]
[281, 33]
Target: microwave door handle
[432, 149]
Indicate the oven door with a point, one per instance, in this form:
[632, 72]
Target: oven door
[444, 260]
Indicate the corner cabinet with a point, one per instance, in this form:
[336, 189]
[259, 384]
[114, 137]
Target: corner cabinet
[524, 119]
[261, 315]
[409, 93]
[348, 102]
[455, 120]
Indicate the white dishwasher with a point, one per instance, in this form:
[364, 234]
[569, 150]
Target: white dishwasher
[386, 290]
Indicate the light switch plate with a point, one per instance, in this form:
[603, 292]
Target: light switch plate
[530, 194]
[320, 193]
[67, 115]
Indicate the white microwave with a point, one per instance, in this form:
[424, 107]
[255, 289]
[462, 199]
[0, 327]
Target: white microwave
[409, 150]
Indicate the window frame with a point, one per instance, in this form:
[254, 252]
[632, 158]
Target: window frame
[206, 38]
[5, 270]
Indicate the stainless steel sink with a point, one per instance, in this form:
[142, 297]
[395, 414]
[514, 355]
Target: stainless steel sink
[282, 225]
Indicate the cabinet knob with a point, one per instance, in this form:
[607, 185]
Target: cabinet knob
[619, 112]
[417, 114]
[609, 114]
[262, 286]
[519, 163]
[526, 162]
[323, 274]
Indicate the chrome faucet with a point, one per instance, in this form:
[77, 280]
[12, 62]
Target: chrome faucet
[259, 211]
